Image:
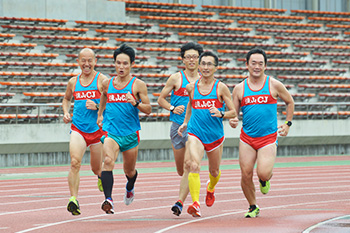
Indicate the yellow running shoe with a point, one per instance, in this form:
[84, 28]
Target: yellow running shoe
[99, 184]
[265, 189]
[73, 206]
[252, 213]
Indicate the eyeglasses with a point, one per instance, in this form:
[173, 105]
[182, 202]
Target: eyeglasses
[189, 57]
[209, 64]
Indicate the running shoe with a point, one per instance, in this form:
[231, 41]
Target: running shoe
[108, 206]
[210, 198]
[73, 206]
[129, 196]
[194, 209]
[99, 184]
[266, 188]
[252, 213]
[177, 208]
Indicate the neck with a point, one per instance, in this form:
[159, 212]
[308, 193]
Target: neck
[90, 75]
[208, 80]
[191, 73]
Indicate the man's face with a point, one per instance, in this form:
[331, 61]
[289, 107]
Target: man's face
[87, 62]
[190, 59]
[123, 65]
[207, 66]
[256, 65]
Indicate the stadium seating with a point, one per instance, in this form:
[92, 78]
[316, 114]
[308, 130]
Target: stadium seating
[244, 9]
[203, 28]
[168, 12]
[291, 32]
[307, 50]
[157, 5]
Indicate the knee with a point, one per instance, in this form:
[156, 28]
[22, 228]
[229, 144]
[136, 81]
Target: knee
[194, 167]
[180, 171]
[108, 161]
[247, 175]
[214, 172]
[75, 164]
[264, 175]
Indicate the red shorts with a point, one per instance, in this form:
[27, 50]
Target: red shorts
[259, 142]
[90, 138]
[208, 147]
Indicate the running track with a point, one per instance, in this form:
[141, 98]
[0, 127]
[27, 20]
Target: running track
[308, 194]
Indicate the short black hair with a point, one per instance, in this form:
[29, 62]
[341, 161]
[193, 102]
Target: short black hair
[211, 54]
[191, 45]
[124, 48]
[254, 51]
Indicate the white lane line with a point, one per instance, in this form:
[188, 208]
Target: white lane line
[238, 212]
[324, 222]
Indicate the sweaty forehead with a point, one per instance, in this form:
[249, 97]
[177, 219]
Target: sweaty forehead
[257, 57]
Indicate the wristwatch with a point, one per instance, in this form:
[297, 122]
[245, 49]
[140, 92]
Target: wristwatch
[97, 106]
[137, 104]
[222, 114]
[172, 108]
[289, 123]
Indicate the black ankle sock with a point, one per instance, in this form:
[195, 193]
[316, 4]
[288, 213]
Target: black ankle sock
[263, 183]
[131, 182]
[252, 207]
[107, 183]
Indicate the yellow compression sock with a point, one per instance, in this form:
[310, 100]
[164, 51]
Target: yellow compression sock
[194, 184]
[213, 181]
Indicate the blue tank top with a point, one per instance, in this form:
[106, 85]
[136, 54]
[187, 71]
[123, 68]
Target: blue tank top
[85, 119]
[259, 110]
[207, 128]
[180, 97]
[121, 118]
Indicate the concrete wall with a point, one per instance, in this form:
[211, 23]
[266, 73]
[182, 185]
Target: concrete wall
[96, 10]
[41, 144]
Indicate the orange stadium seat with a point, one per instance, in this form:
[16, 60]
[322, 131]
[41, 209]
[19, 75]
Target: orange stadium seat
[168, 12]
[244, 9]
[6, 36]
[325, 86]
[322, 13]
[293, 62]
[331, 55]
[179, 59]
[70, 39]
[317, 40]
[328, 48]
[5, 96]
[146, 41]
[244, 45]
[27, 56]
[272, 54]
[334, 96]
[77, 48]
[338, 27]
[50, 30]
[9, 75]
[138, 34]
[284, 25]
[288, 32]
[313, 79]
[330, 20]
[108, 57]
[203, 28]
[277, 18]
[38, 65]
[17, 46]
[225, 36]
[345, 63]
[185, 19]
[157, 5]
[114, 25]
[32, 21]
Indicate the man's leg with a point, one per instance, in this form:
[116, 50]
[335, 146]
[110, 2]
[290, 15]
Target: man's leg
[247, 159]
[184, 190]
[129, 165]
[196, 150]
[96, 162]
[265, 162]
[110, 152]
[214, 159]
[77, 148]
